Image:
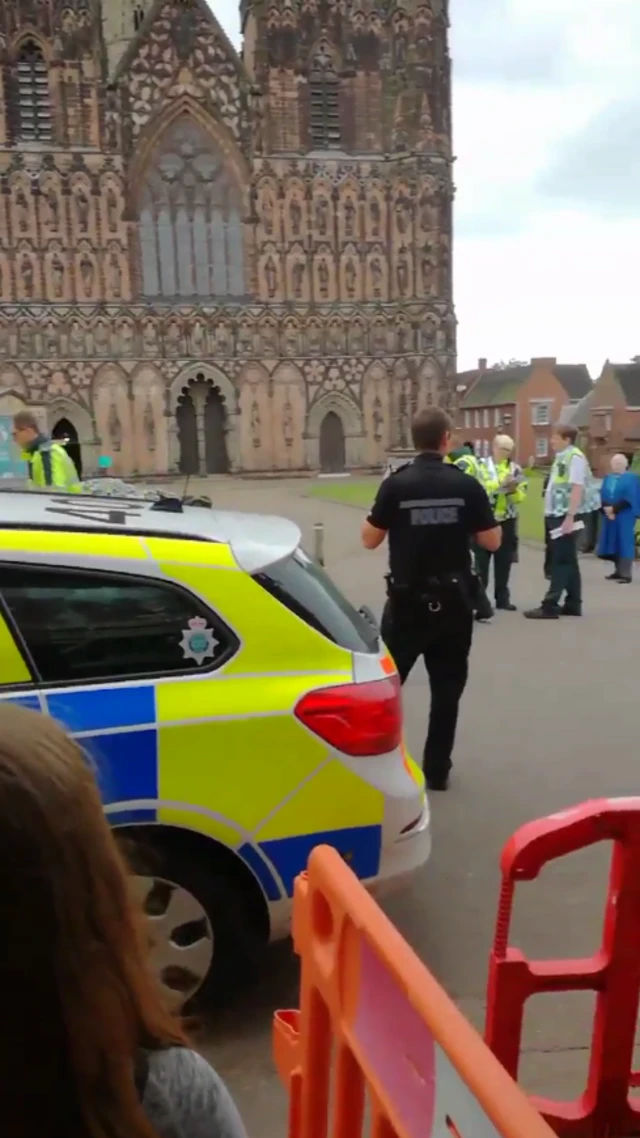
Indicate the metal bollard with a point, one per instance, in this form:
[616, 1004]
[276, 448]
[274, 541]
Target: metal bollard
[318, 543]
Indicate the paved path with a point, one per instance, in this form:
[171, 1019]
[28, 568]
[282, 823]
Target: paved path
[550, 718]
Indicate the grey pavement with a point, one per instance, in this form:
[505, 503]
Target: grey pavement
[549, 719]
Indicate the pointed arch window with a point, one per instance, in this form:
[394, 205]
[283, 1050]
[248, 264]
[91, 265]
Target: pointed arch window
[33, 119]
[324, 102]
[190, 220]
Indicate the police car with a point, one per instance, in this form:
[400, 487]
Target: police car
[236, 708]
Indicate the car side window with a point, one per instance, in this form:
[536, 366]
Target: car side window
[83, 627]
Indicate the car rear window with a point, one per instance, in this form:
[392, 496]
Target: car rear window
[306, 590]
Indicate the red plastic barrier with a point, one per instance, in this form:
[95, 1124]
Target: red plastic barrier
[613, 972]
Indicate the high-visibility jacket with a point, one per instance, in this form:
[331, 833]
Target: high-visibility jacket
[504, 505]
[51, 468]
[557, 499]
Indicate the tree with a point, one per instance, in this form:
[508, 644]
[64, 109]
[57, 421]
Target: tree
[502, 366]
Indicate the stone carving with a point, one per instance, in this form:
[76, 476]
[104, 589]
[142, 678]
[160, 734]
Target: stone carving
[51, 210]
[27, 277]
[87, 274]
[337, 255]
[83, 207]
[57, 277]
[114, 275]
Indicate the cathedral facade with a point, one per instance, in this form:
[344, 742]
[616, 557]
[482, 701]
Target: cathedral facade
[217, 262]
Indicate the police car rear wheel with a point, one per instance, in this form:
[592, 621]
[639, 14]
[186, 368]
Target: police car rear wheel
[206, 931]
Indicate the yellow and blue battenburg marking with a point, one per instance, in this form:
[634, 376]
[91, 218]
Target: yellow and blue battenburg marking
[144, 763]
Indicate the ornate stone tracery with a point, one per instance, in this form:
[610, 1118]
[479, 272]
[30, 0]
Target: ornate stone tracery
[264, 243]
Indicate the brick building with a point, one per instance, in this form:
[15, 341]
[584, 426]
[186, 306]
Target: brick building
[523, 401]
[212, 261]
[609, 419]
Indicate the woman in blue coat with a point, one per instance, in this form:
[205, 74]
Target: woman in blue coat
[620, 506]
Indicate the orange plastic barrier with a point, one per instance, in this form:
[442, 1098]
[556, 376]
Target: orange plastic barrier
[374, 1027]
[613, 973]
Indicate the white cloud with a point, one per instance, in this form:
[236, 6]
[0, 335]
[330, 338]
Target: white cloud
[534, 80]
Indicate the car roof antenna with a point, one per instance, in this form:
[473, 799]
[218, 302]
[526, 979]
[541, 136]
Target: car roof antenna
[172, 505]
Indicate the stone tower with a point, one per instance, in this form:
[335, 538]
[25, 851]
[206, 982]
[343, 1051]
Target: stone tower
[219, 262]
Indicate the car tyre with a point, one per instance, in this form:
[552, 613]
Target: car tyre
[204, 877]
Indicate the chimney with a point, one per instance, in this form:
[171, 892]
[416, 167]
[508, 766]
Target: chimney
[543, 361]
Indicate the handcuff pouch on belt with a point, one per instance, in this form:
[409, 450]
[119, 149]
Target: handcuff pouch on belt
[432, 593]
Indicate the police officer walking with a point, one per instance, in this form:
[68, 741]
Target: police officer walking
[431, 511]
[50, 467]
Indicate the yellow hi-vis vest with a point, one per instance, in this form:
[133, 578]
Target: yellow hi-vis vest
[504, 505]
[51, 468]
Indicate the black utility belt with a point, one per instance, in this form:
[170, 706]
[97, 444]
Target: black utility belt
[431, 592]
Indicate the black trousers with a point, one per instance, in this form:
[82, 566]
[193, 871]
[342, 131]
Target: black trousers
[564, 572]
[443, 639]
[502, 562]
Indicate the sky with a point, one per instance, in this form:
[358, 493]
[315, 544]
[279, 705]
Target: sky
[546, 121]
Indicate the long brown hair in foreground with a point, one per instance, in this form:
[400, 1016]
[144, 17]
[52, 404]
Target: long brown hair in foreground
[76, 998]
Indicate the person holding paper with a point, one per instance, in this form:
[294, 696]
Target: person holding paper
[507, 488]
[568, 489]
[620, 507]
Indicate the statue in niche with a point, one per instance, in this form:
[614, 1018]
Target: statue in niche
[349, 218]
[22, 211]
[323, 279]
[269, 337]
[4, 340]
[297, 279]
[376, 277]
[290, 340]
[87, 274]
[350, 278]
[255, 424]
[114, 276]
[428, 331]
[245, 338]
[267, 212]
[149, 425]
[403, 214]
[322, 216]
[400, 48]
[336, 337]
[427, 266]
[27, 277]
[101, 338]
[82, 210]
[113, 211]
[402, 275]
[25, 340]
[50, 343]
[375, 216]
[173, 338]
[287, 420]
[150, 338]
[57, 277]
[295, 216]
[379, 339]
[271, 276]
[223, 339]
[114, 427]
[314, 338]
[426, 207]
[378, 419]
[76, 339]
[198, 339]
[126, 338]
[51, 209]
[357, 337]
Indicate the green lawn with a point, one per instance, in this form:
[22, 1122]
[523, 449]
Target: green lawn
[361, 492]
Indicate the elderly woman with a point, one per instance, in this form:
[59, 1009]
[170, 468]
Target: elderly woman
[620, 495]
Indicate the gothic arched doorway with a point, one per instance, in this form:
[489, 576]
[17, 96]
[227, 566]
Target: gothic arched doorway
[215, 425]
[332, 444]
[64, 431]
[201, 416]
[187, 434]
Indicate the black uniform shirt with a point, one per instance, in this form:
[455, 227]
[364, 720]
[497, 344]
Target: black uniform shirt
[430, 509]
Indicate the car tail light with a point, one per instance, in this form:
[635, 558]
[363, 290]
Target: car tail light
[357, 719]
